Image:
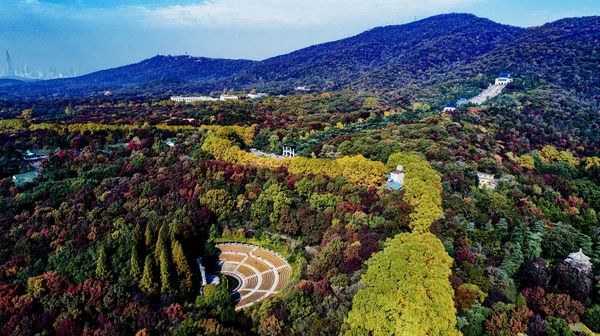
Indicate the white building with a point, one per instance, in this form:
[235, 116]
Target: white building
[486, 181]
[450, 107]
[302, 88]
[395, 179]
[257, 95]
[181, 99]
[288, 151]
[579, 261]
[34, 156]
[228, 97]
[503, 79]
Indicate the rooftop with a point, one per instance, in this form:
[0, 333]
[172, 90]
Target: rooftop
[504, 75]
[25, 177]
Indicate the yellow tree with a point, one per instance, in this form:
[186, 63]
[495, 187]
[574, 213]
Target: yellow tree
[407, 290]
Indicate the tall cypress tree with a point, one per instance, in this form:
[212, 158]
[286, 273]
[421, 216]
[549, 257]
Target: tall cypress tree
[181, 263]
[102, 271]
[147, 283]
[165, 273]
[161, 241]
[148, 235]
[136, 270]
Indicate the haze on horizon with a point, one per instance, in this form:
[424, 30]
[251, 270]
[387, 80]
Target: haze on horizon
[83, 36]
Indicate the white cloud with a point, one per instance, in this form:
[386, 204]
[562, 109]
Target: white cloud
[293, 13]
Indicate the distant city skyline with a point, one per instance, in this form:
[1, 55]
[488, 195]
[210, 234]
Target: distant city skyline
[30, 73]
[93, 35]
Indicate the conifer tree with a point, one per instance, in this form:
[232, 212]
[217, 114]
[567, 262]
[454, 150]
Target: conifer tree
[148, 235]
[161, 241]
[136, 235]
[147, 283]
[161, 252]
[136, 270]
[102, 271]
[165, 274]
[181, 264]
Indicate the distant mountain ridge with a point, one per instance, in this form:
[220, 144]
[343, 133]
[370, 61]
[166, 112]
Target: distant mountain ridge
[440, 47]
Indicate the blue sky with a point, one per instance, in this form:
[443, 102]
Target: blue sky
[96, 34]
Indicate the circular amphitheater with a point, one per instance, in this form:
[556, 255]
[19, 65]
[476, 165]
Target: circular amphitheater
[260, 273]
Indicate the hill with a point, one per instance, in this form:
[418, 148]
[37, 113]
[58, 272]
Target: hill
[436, 50]
[159, 69]
[565, 53]
[441, 42]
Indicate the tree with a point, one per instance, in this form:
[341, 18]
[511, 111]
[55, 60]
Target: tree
[27, 114]
[136, 270]
[102, 271]
[219, 202]
[147, 284]
[165, 273]
[526, 161]
[562, 240]
[557, 327]
[181, 264]
[407, 290]
[508, 323]
[548, 153]
[592, 318]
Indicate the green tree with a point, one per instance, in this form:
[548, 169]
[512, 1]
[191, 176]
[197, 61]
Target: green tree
[592, 318]
[218, 201]
[181, 264]
[136, 270]
[165, 273]
[102, 271]
[147, 284]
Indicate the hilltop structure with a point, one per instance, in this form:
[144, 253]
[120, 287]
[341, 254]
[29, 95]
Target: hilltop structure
[288, 151]
[34, 155]
[21, 179]
[486, 181]
[228, 97]
[181, 99]
[450, 107]
[257, 95]
[503, 79]
[395, 180]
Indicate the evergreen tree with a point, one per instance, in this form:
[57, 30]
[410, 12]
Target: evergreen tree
[165, 274]
[162, 257]
[181, 263]
[147, 283]
[102, 271]
[136, 235]
[161, 241]
[148, 235]
[136, 270]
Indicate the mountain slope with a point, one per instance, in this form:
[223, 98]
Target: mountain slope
[159, 69]
[441, 42]
[565, 53]
[185, 68]
[438, 49]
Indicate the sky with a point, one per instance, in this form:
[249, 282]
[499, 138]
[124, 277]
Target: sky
[88, 35]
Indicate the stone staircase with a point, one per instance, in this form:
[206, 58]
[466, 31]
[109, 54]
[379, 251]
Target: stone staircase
[492, 91]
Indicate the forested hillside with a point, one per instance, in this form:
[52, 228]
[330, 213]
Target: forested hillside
[438, 50]
[108, 201]
[104, 240]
